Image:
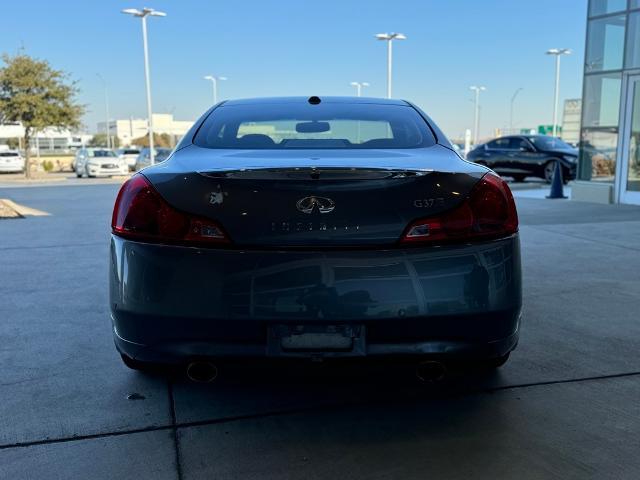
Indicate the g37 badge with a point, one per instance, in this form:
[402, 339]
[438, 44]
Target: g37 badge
[428, 202]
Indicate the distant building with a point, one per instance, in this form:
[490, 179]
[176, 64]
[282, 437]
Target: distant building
[11, 131]
[571, 120]
[128, 130]
[48, 140]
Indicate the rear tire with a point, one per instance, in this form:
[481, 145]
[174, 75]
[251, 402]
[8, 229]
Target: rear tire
[549, 168]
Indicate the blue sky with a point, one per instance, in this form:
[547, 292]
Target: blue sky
[284, 47]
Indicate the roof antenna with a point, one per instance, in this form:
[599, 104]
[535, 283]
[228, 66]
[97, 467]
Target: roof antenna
[314, 100]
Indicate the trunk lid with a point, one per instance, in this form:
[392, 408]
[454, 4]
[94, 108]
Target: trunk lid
[314, 198]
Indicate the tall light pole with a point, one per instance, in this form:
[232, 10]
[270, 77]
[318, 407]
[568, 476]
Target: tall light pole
[557, 52]
[214, 82]
[106, 107]
[143, 15]
[389, 38]
[513, 99]
[359, 86]
[476, 121]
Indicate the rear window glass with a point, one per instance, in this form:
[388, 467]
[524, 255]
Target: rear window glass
[299, 126]
[8, 154]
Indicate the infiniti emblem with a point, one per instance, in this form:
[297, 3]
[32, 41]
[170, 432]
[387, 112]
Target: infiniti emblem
[309, 204]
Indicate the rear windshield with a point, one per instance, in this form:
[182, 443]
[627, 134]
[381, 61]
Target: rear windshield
[8, 154]
[299, 126]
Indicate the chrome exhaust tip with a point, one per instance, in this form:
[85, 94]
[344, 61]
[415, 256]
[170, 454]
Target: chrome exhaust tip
[431, 371]
[202, 372]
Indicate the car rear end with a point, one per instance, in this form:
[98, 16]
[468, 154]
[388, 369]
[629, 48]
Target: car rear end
[11, 162]
[303, 248]
[130, 155]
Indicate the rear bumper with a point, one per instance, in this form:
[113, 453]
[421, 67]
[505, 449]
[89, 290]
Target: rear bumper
[169, 304]
[11, 168]
[179, 351]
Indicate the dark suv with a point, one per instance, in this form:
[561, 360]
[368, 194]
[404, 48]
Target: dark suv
[522, 156]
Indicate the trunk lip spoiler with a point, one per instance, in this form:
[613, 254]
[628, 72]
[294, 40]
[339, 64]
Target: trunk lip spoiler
[315, 173]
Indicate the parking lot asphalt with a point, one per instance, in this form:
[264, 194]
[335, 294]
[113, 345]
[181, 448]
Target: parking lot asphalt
[565, 406]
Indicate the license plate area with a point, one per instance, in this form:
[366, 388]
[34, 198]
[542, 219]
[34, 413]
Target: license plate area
[316, 340]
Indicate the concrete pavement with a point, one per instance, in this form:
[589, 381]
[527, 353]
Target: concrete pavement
[565, 406]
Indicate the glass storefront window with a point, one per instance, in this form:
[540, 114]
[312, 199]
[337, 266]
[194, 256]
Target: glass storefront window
[597, 159]
[599, 137]
[633, 41]
[602, 7]
[633, 174]
[634, 4]
[601, 104]
[605, 44]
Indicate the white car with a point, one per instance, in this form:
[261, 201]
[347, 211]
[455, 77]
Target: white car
[129, 155]
[99, 162]
[11, 161]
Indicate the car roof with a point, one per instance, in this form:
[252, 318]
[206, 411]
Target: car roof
[323, 99]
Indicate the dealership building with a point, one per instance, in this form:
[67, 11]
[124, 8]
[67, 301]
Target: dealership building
[609, 165]
[129, 129]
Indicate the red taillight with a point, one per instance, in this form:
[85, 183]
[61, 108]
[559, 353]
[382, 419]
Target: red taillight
[488, 212]
[140, 213]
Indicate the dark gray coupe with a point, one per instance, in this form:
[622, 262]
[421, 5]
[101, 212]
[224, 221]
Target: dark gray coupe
[314, 228]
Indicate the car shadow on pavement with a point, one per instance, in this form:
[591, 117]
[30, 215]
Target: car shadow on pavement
[263, 389]
[321, 421]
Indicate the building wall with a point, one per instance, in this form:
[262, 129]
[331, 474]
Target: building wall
[48, 139]
[128, 130]
[612, 49]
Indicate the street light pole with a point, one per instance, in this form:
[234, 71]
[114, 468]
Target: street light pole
[513, 99]
[557, 52]
[359, 86]
[106, 105]
[476, 122]
[389, 38]
[143, 15]
[214, 81]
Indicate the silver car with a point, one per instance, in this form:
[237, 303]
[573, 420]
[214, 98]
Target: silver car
[143, 160]
[11, 161]
[129, 155]
[98, 162]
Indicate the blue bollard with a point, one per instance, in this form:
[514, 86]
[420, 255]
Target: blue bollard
[557, 183]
